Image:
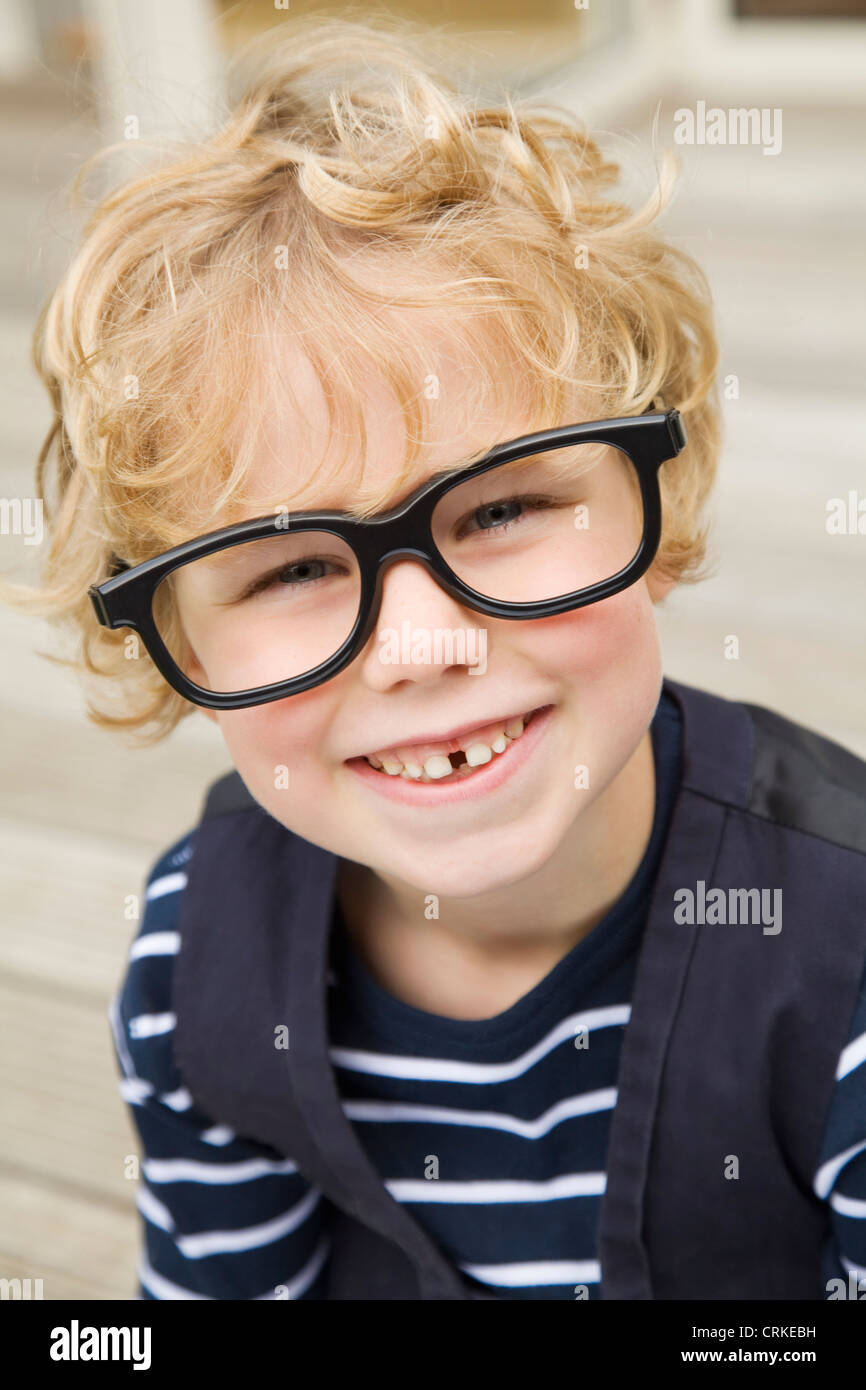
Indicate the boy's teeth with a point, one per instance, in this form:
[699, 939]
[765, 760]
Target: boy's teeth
[477, 754]
[438, 766]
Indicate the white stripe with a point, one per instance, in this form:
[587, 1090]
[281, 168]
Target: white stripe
[155, 943]
[392, 1112]
[443, 1069]
[133, 1088]
[151, 1025]
[507, 1190]
[169, 883]
[159, 1286]
[213, 1174]
[134, 1091]
[848, 1206]
[537, 1272]
[204, 1243]
[852, 1056]
[177, 1100]
[153, 1210]
[828, 1172]
[218, 1134]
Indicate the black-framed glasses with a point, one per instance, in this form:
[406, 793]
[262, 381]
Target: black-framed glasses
[270, 607]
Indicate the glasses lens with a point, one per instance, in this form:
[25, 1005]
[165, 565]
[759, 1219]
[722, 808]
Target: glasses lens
[261, 612]
[546, 525]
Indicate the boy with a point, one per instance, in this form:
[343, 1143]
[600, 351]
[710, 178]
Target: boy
[501, 967]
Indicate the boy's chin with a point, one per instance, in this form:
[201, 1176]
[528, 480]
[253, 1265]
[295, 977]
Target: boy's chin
[469, 877]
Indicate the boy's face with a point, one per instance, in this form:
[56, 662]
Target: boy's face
[596, 672]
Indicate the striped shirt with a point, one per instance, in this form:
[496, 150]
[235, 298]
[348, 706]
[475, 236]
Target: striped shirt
[510, 1115]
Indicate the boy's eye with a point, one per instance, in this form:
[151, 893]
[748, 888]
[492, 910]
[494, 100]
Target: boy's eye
[501, 514]
[297, 575]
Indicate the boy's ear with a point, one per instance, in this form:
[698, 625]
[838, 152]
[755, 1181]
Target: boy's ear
[659, 584]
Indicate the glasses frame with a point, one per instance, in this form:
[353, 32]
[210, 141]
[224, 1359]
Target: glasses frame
[403, 532]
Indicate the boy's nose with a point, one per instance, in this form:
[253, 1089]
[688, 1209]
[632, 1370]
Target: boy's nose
[420, 630]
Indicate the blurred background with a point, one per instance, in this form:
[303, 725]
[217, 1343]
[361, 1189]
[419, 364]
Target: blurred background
[780, 236]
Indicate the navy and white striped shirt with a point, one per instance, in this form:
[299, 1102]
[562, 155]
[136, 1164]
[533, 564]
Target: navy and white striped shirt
[509, 1114]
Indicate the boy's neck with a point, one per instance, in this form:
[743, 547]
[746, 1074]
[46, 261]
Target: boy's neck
[483, 954]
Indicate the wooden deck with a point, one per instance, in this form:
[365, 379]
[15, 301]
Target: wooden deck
[83, 816]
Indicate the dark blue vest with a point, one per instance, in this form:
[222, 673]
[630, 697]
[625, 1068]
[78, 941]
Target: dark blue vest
[730, 1050]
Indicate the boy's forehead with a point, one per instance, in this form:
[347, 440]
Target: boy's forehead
[296, 458]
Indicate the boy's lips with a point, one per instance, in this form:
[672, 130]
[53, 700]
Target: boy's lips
[454, 740]
[449, 786]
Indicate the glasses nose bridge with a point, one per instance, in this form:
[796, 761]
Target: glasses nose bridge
[396, 538]
[404, 536]
[390, 553]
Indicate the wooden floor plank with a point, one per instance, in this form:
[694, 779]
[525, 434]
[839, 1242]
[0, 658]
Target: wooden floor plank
[62, 1114]
[77, 1246]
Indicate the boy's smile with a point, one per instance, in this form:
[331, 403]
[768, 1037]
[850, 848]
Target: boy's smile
[443, 771]
[491, 737]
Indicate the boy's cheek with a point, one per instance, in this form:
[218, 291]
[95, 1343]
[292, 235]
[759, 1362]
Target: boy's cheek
[595, 643]
[268, 742]
[607, 657]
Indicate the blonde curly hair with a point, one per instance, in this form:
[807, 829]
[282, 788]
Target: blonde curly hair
[349, 138]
